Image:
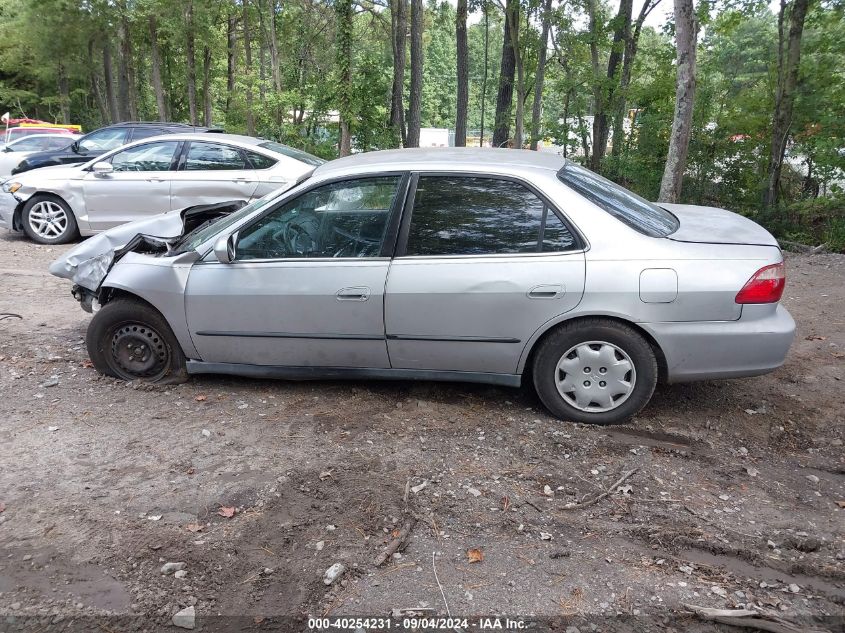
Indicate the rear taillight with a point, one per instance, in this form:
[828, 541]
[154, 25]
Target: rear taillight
[765, 286]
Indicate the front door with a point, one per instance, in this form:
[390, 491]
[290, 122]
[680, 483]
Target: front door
[307, 284]
[483, 263]
[138, 186]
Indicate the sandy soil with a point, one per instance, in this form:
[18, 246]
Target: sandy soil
[737, 499]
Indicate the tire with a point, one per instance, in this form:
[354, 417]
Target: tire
[131, 340]
[581, 371]
[48, 220]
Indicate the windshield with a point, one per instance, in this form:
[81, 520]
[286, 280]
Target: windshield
[626, 206]
[290, 152]
[204, 232]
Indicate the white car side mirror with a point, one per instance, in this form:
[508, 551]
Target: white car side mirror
[102, 168]
[224, 248]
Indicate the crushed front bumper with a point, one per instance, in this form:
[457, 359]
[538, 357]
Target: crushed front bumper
[8, 204]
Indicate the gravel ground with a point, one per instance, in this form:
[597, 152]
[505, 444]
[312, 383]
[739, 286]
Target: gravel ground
[258, 487]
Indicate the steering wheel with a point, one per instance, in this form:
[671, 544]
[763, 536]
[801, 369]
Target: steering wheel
[299, 235]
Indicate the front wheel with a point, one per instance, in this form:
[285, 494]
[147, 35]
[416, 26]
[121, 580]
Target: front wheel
[130, 340]
[48, 220]
[595, 371]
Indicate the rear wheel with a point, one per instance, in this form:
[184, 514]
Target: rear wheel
[48, 220]
[129, 339]
[596, 371]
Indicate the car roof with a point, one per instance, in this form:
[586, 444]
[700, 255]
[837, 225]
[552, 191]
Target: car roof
[443, 159]
[238, 139]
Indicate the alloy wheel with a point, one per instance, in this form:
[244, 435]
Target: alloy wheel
[48, 219]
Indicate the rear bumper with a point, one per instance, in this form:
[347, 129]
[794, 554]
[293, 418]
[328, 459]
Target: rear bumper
[755, 344]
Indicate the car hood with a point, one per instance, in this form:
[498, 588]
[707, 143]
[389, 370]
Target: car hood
[710, 225]
[88, 263]
[53, 172]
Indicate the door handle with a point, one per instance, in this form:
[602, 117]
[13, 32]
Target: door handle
[241, 180]
[155, 179]
[358, 293]
[546, 291]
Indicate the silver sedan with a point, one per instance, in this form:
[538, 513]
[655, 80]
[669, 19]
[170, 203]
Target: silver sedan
[472, 265]
[53, 205]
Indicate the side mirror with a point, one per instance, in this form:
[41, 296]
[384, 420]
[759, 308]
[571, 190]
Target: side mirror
[74, 147]
[224, 248]
[102, 168]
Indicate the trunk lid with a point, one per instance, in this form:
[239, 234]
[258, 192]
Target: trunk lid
[710, 225]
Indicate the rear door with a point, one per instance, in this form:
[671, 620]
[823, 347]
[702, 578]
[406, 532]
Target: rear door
[138, 186]
[482, 262]
[211, 172]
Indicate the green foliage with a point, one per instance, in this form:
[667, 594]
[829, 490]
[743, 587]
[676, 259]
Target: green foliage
[43, 42]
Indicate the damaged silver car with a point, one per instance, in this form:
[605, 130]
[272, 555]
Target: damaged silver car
[473, 265]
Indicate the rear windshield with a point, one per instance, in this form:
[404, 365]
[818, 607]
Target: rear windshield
[626, 206]
[290, 152]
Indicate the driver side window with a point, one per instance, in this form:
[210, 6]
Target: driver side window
[147, 157]
[342, 219]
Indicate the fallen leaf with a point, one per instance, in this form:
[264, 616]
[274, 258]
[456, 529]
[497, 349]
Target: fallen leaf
[154, 517]
[227, 511]
[87, 364]
[838, 354]
[2, 506]
[815, 337]
[194, 527]
[395, 533]
[326, 474]
[506, 503]
[190, 471]
[841, 504]
[475, 555]
[201, 398]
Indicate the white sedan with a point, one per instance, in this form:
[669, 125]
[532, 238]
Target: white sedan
[13, 152]
[54, 205]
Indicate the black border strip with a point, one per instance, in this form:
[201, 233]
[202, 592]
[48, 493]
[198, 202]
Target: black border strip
[452, 339]
[332, 337]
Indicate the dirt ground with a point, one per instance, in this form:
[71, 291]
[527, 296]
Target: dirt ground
[738, 498]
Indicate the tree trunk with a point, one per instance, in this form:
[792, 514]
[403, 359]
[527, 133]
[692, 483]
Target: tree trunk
[415, 98]
[206, 85]
[155, 71]
[231, 57]
[344, 61]
[788, 66]
[108, 73]
[96, 90]
[124, 80]
[399, 28]
[275, 65]
[502, 129]
[607, 88]
[537, 110]
[631, 46]
[262, 53]
[190, 54]
[485, 10]
[64, 93]
[686, 36]
[519, 122]
[463, 74]
[250, 116]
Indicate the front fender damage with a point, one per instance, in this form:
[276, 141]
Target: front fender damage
[88, 264]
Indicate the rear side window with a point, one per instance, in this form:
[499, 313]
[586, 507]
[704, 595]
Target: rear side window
[146, 132]
[260, 161]
[456, 215]
[626, 206]
[292, 152]
[213, 156]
